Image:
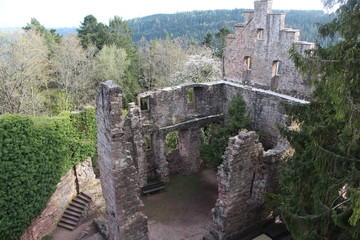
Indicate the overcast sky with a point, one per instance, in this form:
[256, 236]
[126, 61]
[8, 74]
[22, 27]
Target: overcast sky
[69, 13]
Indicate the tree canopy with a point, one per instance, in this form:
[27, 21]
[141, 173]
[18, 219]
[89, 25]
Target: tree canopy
[320, 188]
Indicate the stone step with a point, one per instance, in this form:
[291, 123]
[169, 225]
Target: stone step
[84, 196]
[64, 225]
[75, 209]
[80, 201]
[69, 222]
[78, 205]
[69, 216]
[75, 214]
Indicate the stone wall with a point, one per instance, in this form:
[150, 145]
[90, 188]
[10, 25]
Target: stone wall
[118, 173]
[81, 177]
[134, 150]
[171, 109]
[243, 179]
[266, 110]
[171, 106]
[259, 47]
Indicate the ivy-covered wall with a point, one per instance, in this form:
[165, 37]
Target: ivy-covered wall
[34, 154]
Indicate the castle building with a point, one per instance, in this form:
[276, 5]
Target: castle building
[257, 54]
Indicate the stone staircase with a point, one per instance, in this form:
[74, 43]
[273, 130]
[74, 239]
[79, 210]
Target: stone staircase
[75, 211]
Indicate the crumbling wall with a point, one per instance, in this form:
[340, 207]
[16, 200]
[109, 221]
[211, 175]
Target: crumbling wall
[171, 106]
[210, 104]
[243, 179]
[125, 161]
[118, 173]
[259, 47]
[266, 110]
[134, 135]
[172, 109]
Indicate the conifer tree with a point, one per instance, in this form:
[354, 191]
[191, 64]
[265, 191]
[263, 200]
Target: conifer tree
[208, 40]
[320, 196]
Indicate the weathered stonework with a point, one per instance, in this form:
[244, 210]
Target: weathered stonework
[69, 186]
[171, 109]
[126, 161]
[243, 179]
[257, 66]
[118, 172]
[258, 53]
[265, 108]
[133, 132]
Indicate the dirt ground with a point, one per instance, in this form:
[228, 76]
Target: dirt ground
[182, 211]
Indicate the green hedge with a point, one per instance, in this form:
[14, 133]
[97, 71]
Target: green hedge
[34, 154]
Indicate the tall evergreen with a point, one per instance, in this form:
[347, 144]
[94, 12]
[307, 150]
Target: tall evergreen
[221, 36]
[117, 34]
[50, 36]
[207, 42]
[92, 32]
[320, 196]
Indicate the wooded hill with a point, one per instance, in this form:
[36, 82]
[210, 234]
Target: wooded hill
[194, 25]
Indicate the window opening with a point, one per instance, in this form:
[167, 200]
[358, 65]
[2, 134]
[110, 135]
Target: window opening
[144, 103]
[247, 62]
[190, 95]
[259, 33]
[277, 68]
[172, 141]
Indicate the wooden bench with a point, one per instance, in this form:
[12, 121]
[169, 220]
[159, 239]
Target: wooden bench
[152, 188]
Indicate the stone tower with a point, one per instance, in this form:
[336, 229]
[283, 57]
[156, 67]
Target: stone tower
[258, 53]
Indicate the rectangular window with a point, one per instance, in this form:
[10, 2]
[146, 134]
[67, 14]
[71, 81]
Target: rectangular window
[190, 95]
[259, 33]
[172, 141]
[247, 62]
[144, 104]
[277, 68]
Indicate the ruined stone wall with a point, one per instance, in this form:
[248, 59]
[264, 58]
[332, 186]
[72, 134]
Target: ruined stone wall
[263, 39]
[266, 111]
[167, 111]
[81, 179]
[171, 106]
[243, 179]
[118, 173]
[171, 109]
[245, 175]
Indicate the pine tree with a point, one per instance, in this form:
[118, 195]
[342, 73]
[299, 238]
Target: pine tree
[320, 196]
[221, 36]
[208, 40]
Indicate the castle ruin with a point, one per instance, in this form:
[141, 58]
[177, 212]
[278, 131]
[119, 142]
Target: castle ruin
[258, 53]
[133, 150]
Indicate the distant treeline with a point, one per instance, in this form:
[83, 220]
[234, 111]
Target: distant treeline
[194, 25]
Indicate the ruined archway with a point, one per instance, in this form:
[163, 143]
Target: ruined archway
[127, 147]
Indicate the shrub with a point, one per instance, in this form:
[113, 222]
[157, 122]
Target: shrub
[34, 154]
[219, 134]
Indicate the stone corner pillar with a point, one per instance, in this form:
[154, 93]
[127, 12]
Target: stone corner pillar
[118, 174]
